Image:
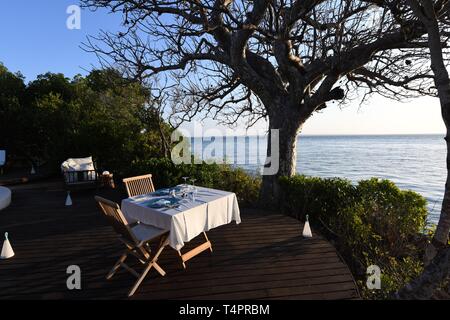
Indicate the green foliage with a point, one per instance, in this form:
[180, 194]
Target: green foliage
[103, 115]
[315, 196]
[106, 116]
[223, 177]
[12, 90]
[374, 222]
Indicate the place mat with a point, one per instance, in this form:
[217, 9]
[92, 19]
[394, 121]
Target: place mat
[165, 202]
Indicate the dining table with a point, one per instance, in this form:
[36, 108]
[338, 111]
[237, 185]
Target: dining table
[186, 211]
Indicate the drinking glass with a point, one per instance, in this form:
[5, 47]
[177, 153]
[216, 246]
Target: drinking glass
[194, 189]
[184, 187]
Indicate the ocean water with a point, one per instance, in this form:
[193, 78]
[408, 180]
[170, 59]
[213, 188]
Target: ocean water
[415, 162]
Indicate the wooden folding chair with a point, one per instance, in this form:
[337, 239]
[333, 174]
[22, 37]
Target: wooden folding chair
[136, 238]
[139, 185]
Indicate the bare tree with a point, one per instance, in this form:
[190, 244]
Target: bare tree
[281, 60]
[435, 17]
[153, 117]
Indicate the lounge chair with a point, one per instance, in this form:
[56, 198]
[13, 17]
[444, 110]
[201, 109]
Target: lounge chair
[139, 185]
[80, 173]
[136, 238]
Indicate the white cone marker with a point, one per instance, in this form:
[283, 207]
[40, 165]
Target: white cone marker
[68, 199]
[33, 171]
[7, 250]
[307, 229]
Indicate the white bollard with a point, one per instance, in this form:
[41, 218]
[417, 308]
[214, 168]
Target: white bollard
[307, 229]
[7, 250]
[68, 199]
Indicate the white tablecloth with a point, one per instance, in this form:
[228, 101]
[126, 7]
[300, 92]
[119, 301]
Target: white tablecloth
[212, 208]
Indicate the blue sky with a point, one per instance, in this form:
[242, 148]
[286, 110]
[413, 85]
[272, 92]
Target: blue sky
[35, 40]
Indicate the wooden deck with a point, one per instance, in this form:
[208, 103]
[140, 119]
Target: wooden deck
[262, 258]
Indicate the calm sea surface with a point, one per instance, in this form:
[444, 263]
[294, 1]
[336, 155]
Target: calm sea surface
[415, 162]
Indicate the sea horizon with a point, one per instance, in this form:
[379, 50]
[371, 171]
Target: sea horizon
[414, 162]
[330, 135]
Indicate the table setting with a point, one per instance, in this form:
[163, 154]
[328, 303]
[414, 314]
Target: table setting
[186, 210]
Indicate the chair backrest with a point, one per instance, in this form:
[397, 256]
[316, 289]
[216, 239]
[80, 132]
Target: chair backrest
[115, 217]
[139, 185]
[2, 157]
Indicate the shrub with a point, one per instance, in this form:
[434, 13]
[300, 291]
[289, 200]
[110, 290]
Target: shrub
[316, 196]
[399, 216]
[166, 174]
[373, 222]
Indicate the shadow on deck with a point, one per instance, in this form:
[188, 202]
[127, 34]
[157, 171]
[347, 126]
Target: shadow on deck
[264, 257]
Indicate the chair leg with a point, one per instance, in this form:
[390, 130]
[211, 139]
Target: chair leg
[150, 265]
[117, 265]
[163, 244]
[206, 245]
[144, 252]
[206, 238]
[159, 269]
[181, 257]
[138, 282]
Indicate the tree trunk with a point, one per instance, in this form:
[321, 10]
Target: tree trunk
[425, 286]
[443, 227]
[281, 155]
[437, 253]
[164, 141]
[443, 85]
[442, 82]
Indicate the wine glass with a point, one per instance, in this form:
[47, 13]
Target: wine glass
[194, 189]
[184, 187]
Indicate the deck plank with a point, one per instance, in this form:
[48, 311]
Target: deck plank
[264, 257]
